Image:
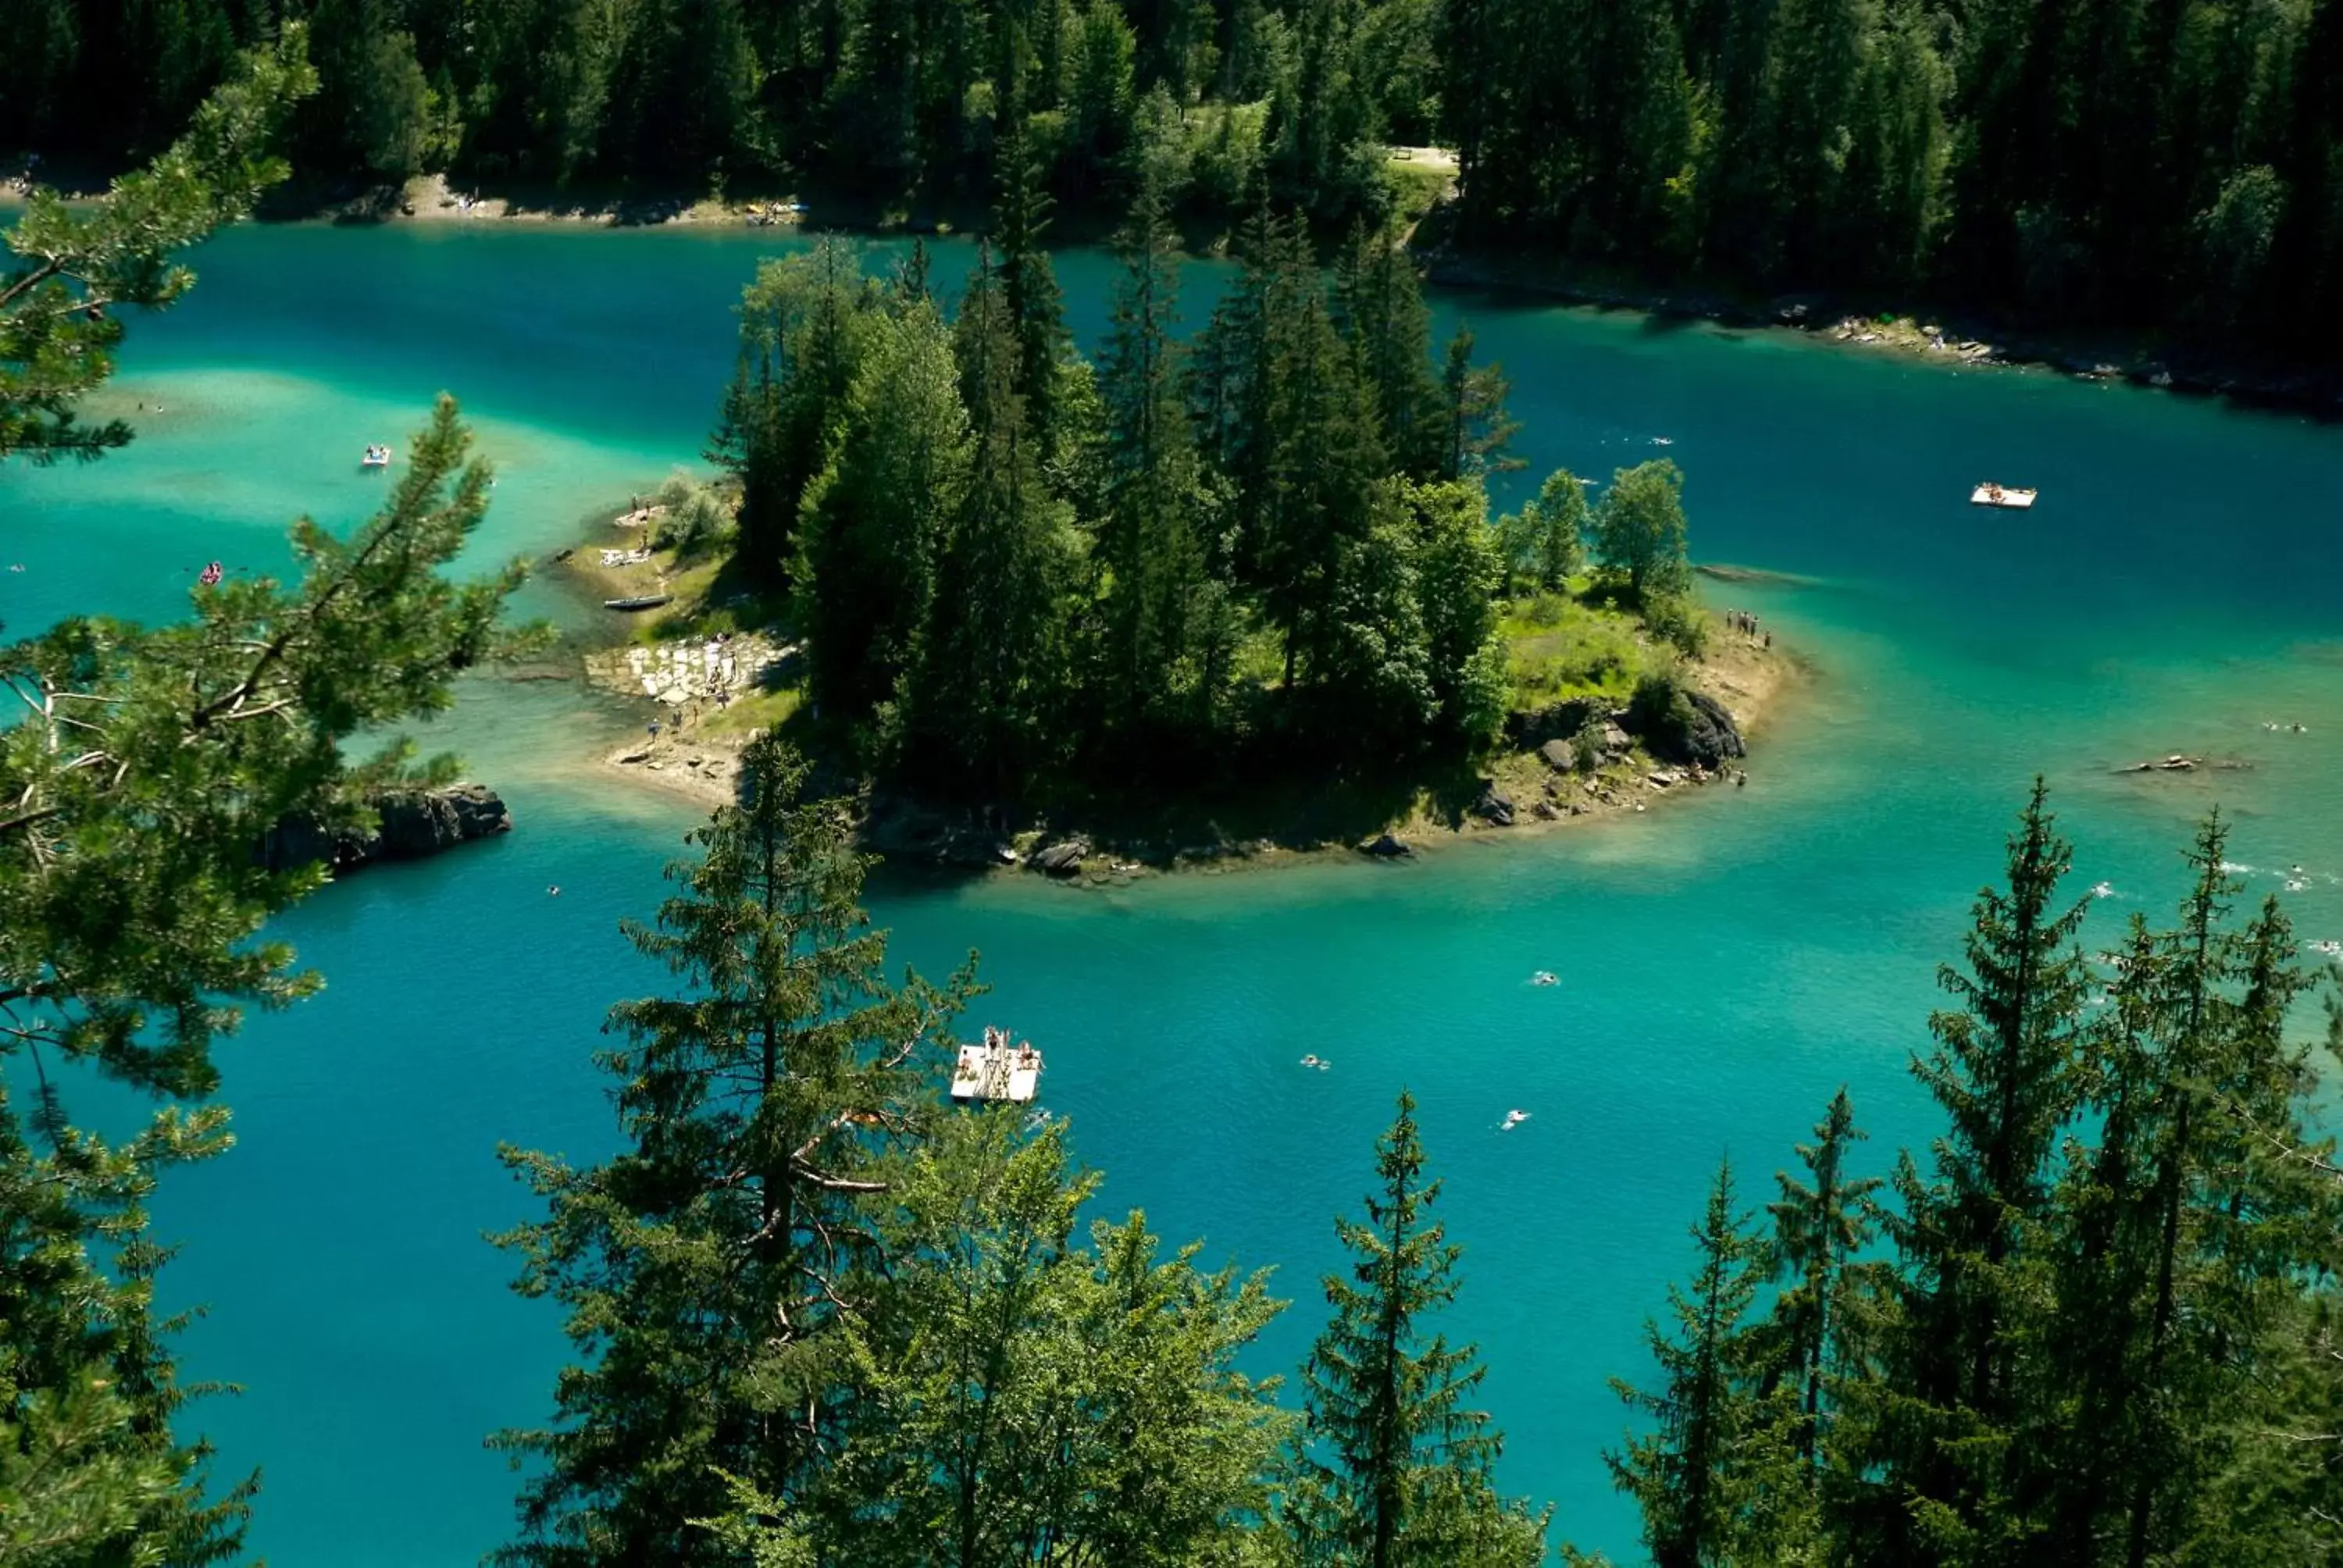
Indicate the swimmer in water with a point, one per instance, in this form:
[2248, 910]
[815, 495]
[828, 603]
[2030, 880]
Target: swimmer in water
[554, 891]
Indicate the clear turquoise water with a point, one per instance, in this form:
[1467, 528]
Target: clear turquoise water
[1726, 962]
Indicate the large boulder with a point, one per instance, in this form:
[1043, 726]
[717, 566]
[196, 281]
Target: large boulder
[1387, 847]
[411, 824]
[1494, 807]
[419, 822]
[1679, 725]
[1060, 860]
[1555, 721]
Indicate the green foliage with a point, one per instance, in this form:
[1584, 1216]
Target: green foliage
[1639, 532]
[875, 520]
[990, 671]
[1165, 654]
[803, 324]
[1824, 1226]
[695, 518]
[1458, 573]
[1032, 1399]
[74, 269]
[712, 1270]
[1390, 1468]
[1473, 402]
[1543, 544]
[2126, 164]
[149, 766]
[1717, 1476]
[1941, 1438]
[1012, 570]
[2094, 1341]
[155, 761]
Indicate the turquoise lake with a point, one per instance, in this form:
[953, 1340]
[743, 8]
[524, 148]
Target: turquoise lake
[1727, 962]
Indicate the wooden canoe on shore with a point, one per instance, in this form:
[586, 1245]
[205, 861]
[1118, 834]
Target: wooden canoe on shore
[1992, 495]
[639, 601]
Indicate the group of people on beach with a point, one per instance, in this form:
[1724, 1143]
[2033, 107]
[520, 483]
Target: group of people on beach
[1746, 624]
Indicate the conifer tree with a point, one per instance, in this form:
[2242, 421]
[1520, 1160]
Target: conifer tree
[1717, 1473]
[2225, 1219]
[708, 1270]
[1380, 309]
[1033, 1399]
[1940, 1441]
[1160, 658]
[875, 520]
[1823, 1225]
[1392, 1468]
[803, 323]
[1319, 450]
[990, 674]
[74, 269]
[153, 761]
[1029, 284]
[1479, 428]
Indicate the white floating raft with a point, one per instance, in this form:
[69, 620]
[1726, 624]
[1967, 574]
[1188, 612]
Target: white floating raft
[1993, 495]
[997, 1070]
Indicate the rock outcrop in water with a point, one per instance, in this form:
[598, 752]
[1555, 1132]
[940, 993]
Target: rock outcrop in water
[411, 824]
[1686, 726]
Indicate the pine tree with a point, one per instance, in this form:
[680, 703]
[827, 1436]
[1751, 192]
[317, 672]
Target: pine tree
[1392, 1470]
[1309, 468]
[1940, 1430]
[71, 270]
[1716, 1472]
[1157, 661]
[131, 943]
[709, 1270]
[991, 670]
[1029, 284]
[1823, 1225]
[1478, 426]
[1380, 310]
[1033, 1400]
[875, 520]
[803, 324]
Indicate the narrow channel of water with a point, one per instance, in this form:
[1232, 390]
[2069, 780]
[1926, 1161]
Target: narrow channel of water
[1725, 963]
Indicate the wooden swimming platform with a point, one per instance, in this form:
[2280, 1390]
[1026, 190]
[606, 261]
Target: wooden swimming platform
[997, 1070]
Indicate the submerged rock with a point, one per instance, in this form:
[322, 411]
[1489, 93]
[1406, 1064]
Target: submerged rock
[411, 824]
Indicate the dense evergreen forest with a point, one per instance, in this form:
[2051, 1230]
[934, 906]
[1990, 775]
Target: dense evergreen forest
[823, 1318]
[2166, 165]
[1264, 552]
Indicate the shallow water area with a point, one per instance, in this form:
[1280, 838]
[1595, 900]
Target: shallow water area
[1724, 962]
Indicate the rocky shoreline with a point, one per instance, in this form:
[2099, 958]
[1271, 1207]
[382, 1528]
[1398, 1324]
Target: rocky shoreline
[1951, 337]
[1571, 761]
[411, 824]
